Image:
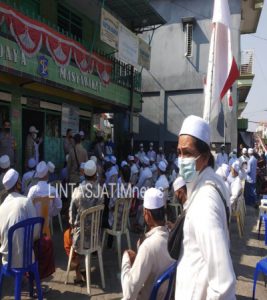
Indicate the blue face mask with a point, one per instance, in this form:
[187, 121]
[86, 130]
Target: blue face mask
[187, 168]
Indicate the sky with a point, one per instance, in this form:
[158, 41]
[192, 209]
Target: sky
[257, 98]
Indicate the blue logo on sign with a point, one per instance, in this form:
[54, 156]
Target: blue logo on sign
[42, 66]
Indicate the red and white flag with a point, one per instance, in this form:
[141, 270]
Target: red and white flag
[222, 67]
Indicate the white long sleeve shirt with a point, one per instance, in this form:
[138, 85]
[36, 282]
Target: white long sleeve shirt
[15, 208]
[43, 189]
[236, 189]
[144, 175]
[205, 269]
[25, 178]
[151, 261]
[111, 172]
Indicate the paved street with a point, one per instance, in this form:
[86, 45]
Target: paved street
[245, 252]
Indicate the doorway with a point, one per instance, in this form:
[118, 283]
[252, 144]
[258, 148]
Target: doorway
[32, 118]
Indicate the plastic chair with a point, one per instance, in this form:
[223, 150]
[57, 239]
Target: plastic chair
[120, 224]
[261, 267]
[237, 213]
[29, 262]
[169, 274]
[95, 214]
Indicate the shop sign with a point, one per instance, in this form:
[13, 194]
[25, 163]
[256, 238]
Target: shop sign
[78, 79]
[11, 54]
[109, 32]
[128, 46]
[144, 54]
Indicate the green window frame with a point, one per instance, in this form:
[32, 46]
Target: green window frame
[69, 22]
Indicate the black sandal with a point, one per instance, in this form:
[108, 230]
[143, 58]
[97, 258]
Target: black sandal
[80, 282]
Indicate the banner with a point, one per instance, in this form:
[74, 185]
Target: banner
[144, 54]
[128, 46]
[109, 32]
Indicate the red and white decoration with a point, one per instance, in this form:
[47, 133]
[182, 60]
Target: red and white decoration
[222, 67]
[32, 35]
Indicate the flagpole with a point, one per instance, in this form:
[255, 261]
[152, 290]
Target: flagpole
[224, 122]
[212, 71]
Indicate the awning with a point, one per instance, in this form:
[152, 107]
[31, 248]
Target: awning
[136, 14]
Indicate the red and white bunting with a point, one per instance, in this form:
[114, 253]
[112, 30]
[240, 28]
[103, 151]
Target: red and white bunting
[31, 35]
[59, 50]
[82, 60]
[27, 37]
[104, 70]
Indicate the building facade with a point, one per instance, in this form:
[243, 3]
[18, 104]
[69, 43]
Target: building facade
[173, 88]
[56, 73]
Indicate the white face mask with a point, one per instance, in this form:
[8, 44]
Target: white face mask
[34, 136]
[187, 168]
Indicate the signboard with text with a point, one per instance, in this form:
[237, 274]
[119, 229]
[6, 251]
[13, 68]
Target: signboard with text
[144, 54]
[109, 32]
[128, 46]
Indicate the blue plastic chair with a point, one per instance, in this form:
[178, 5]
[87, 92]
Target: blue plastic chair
[28, 265]
[261, 267]
[169, 274]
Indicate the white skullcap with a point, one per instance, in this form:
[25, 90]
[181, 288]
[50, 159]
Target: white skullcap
[222, 146]
[235, 150]
[51, 167]
[106, 159]
[113, 160]
[124, 163]
[41, 169]
[4, 162]
[178, 183]
[236, 166]
[81, 133]
[162, 166]
[130, 158]
[244, 150]
[32, 129]
[94, 158]
[141, 145]
[90, 168]
[223, 171]
[153, 199]
[10, 179]
[196, 127]
[31, 163]
[146, 160]
[82, 165]
[250, 151]
[151, 144]
[160, 148]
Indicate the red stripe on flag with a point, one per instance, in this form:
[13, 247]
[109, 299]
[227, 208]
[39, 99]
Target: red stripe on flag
[233, 75]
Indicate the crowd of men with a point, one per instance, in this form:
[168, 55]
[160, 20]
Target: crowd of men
[189, 178]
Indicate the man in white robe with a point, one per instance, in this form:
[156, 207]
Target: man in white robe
[205, 269]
